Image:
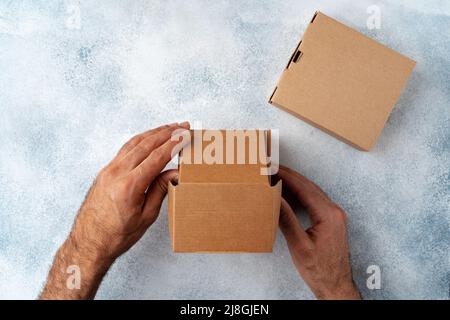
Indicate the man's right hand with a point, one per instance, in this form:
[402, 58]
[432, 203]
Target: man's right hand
[319, 253]
[123, 202]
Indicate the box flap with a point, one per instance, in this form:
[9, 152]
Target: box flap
[276, 204]
[342, 81]
[231, 156]
[171, 209]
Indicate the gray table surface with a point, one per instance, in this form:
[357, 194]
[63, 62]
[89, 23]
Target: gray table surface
[72, 91]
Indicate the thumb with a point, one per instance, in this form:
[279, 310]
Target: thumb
[291, 228]
[156, 193]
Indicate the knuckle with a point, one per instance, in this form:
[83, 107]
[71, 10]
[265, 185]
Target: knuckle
[339, 212]
[162, 129]
[136, 137]
[308, 256]
[305, 248]
[125, 185]
[143, 148]
[158, 155]
[104, 174]
[133, 141]
[308, 198]
[112, 170]
[160, 184]
[299, 248]
[310, 264]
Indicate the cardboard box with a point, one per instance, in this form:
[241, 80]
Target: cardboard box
[223, 206]
[342, 82]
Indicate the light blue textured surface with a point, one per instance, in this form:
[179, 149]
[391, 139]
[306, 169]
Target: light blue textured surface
[69, 98]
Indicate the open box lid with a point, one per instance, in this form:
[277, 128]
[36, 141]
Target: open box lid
[342, 82]
[224, 207]
[225, 156]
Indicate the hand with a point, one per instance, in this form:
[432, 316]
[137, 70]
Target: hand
[121, 205]
[319, 253]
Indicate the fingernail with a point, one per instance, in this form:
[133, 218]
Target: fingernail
[184, 124]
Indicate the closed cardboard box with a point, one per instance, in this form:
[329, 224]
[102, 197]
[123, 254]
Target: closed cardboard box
[342, 82]
[220, 204]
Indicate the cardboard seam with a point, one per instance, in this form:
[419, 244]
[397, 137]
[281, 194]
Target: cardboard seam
[272, 238]
[173, 220]
[226, 183]
[224, 252]
[267, 145]
[273, 93]
[314, 17]
[293, 54]
[173, 216]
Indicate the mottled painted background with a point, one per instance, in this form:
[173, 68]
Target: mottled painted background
[71, 94]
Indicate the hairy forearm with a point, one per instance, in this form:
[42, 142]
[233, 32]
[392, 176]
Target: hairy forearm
[120, 206]
[76, 272]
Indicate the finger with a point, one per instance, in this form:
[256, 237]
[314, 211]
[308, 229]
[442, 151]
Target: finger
[134, 141]
[308, 193]
[291, 228]
[143, 149]
[150, 168]
[156, 193]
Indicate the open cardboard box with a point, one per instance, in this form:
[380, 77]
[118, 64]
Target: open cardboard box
[342, 82]
[218, 206]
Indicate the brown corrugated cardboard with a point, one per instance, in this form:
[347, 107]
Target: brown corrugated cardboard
[223, 207]
[342, 82]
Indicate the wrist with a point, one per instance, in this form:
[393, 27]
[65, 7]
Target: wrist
[76, 272]
[347, 291]
[88, 256]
